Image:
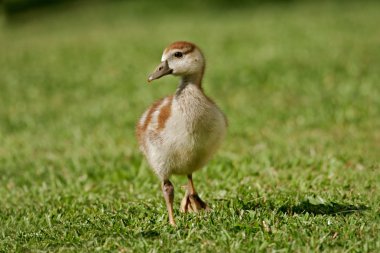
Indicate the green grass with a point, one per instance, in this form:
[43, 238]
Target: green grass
[298, 172]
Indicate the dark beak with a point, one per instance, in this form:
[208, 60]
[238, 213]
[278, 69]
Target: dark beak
[161, 70]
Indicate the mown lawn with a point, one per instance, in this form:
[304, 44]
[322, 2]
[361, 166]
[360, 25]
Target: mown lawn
[299, 170]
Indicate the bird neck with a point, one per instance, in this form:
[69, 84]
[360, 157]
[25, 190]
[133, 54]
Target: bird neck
[187, 82]
[190, 97]
[190, 80]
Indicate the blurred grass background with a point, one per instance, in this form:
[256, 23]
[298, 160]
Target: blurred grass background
[298, 80]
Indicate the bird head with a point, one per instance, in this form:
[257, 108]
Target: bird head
[180, 59]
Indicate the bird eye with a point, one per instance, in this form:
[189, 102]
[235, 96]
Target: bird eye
[178, 54]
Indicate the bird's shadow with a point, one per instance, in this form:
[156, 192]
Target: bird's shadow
[318, 206]
[311, 205]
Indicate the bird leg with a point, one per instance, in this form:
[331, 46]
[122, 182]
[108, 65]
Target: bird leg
[168, 190]
[192, 202]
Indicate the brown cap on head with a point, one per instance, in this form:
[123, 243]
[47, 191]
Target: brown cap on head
[181, 45]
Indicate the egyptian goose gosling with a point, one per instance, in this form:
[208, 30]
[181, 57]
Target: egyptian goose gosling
[179, 133]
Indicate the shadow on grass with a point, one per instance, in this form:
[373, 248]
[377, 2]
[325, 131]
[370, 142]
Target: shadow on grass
[319, 206]
[311, 205]
[150, 234]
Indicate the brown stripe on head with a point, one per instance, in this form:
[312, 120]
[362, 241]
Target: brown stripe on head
[184, 46]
